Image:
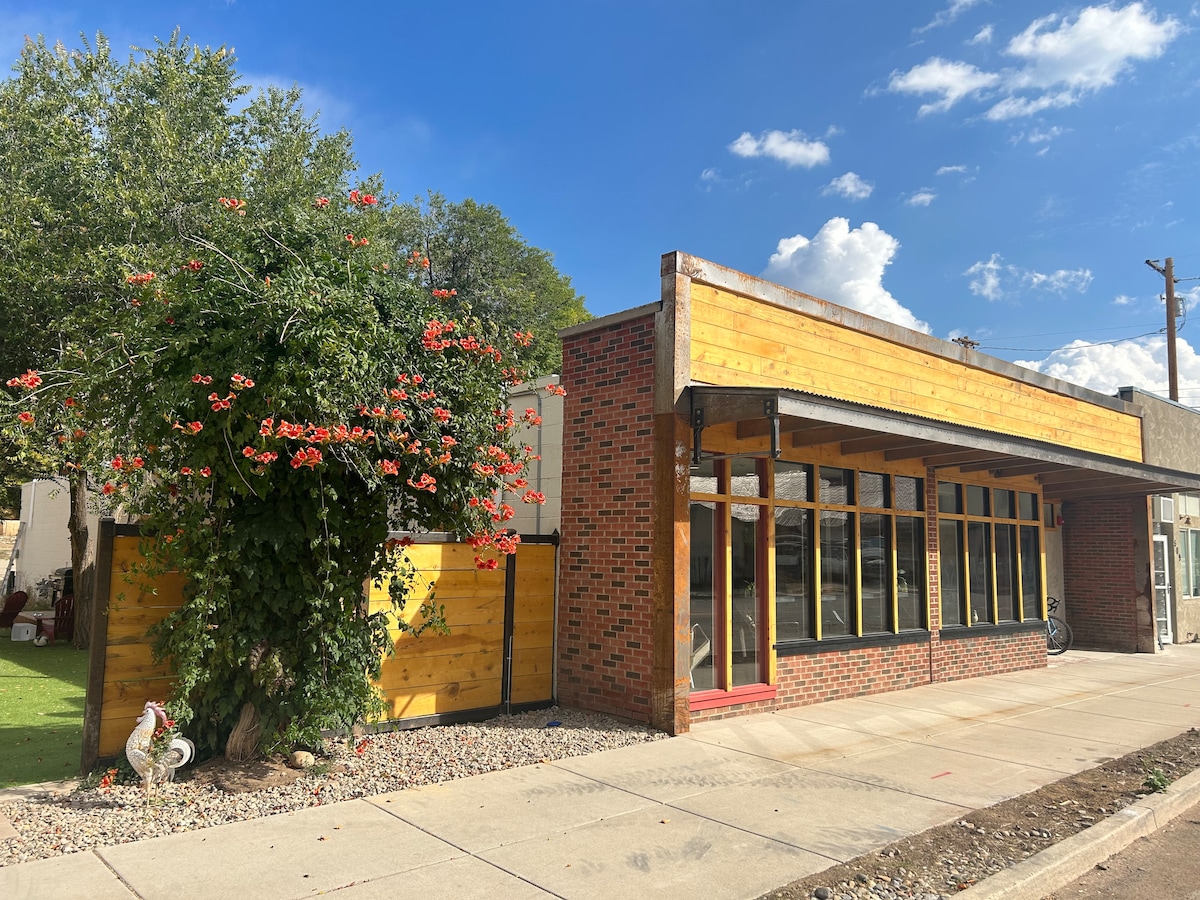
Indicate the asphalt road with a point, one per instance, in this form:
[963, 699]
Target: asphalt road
[1163, 866]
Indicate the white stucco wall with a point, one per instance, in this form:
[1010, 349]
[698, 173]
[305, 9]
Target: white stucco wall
[547, 440]
[45, 544]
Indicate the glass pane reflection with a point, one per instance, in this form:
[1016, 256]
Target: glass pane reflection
[793, 574]
[743, 635]
[703, 664]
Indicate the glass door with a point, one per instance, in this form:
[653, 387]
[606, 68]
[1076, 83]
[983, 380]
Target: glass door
[1162, 589]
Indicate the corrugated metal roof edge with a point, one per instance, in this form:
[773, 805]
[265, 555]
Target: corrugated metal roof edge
[1035, 448]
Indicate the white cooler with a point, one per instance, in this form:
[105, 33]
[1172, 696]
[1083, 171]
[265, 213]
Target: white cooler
[23, 631]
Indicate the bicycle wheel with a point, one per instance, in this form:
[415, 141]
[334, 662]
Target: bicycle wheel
[1058, 636]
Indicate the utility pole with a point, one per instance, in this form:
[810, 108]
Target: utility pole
[1168, 273]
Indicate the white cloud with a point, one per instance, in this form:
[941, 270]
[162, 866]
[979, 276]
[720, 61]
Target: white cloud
[1091, 52]
[791, 147]
[921, 198]
[985, 281]
[983, 35]
[1017, 107]
[1141, 363]
[1040, 136]
[951, 80]
[1123, 300]
[949, 14]
[710, 178]
[1059, 61]
[845, 266]
[1059, 281]
[951, 170]
[995, 279]
[849, 186]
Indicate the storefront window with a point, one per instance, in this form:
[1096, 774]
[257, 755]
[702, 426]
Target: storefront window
[1189, 549]
[849, 554]
[728, 537]
[1002, 503]
[949, 498]
[870, 578]
[837, 486]
[872, 490]
[910, 572]
[906, 493]
[977, 500]
[793, 481]
[744, 479]
[793, 573]
[876, 557]
[704, 478]
[1008, 600]
[950, 544]
[1031, 573]
[837, 574]
[997, 575]
[703, 570]
[744, 530]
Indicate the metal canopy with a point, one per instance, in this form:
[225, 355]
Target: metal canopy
[797, 419]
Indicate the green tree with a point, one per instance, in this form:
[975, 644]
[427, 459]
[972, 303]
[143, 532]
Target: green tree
[476, 252]
[111, 167]
[239, 360]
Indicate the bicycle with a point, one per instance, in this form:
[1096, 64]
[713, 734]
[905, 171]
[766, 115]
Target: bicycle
[1058, 633]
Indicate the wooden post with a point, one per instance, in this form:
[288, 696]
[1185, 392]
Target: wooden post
[98, 646]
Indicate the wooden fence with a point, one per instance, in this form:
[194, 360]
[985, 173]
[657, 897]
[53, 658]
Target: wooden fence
[498, 656]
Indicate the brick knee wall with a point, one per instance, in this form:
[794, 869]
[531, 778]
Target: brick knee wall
[818, 677]
[836, 675]
[605, 644]
[1105, 580]
[957, 657]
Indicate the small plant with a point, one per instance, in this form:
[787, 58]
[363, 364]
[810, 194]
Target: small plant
[1156, 779]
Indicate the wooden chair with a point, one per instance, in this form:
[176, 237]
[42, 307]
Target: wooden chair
[13, 604]
[64, 619]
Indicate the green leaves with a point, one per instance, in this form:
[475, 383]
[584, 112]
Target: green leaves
[231, 348]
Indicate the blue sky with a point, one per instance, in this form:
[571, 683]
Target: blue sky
[993, 169]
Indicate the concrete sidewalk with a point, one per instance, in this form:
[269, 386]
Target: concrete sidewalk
[733, 809]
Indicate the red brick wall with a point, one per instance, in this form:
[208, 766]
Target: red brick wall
[835, 675]
[817, 677]
[605, 644]
[969, 657]
[1103, 577]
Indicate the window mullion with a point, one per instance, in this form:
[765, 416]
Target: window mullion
[893, 573]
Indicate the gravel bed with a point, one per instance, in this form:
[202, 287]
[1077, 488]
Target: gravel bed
[55, 823]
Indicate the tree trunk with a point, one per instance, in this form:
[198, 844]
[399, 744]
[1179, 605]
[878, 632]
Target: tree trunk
[243, 742]
[77, 525]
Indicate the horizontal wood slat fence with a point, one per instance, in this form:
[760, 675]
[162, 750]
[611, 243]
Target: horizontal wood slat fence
[498, 656]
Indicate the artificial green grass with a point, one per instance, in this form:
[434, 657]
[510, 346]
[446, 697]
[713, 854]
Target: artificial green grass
[41, 710]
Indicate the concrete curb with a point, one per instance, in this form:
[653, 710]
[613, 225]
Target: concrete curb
[1058, 866]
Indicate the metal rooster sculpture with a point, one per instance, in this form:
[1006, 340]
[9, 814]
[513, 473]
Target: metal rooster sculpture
[156, 765]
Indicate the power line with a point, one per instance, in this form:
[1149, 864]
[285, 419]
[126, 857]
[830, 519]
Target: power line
[1017, 337]
[1074, 347]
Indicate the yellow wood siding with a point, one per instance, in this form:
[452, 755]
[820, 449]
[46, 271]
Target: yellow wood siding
[533, 624]
[437, 673]
[131, 677]
[738, 341]
[427, 675]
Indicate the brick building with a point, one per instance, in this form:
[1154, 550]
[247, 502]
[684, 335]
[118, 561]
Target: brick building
[769, 500]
